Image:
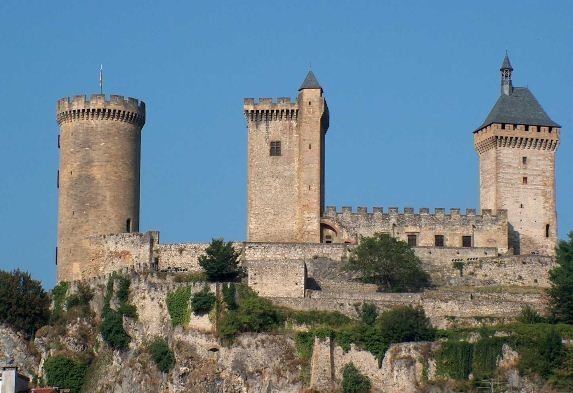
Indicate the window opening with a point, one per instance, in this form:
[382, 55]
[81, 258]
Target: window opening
[524, 160]
[128, 225]
[276, 148]
[412, 240]
[328, 239]
[466, 241]
[547, 230]
[524, 180]
[439, 240]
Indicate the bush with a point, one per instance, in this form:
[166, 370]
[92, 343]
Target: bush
[454, 359]
[405, 324]
[254, 314]
[25, 306]
[561, 277]
[162, 355]
[111, 327]
[59, 293]
[542, 356]
[229, 296]
[389, 263]
[178, 306]
[486, 353]
[529, 315]
[353, 381]
[65, 373]
[220, 261]
[202, 302]
[368, 313]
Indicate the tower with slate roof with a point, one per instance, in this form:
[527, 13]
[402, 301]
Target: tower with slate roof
[286, 165]
[516, 145]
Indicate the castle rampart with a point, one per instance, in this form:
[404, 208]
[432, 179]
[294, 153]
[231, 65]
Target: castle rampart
[420, 229]
[97, 107]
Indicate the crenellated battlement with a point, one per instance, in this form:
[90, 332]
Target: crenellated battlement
[116, 108]
[331, 211]
[517, 136]
[267, 110]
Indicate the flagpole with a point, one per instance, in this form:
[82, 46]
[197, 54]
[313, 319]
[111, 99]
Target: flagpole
[101, 78]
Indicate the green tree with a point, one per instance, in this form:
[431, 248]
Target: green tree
[368, 313]
[25, 306]
[64, 372]
[544, 356]
[389, 263]
[561, 277]
[203, 301]
[161, 354]
[405, 324]
[220, 261]
[353, 381]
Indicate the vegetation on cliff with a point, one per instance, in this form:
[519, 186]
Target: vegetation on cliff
[66, 372]
[161, 354]
[25, 306]
[203, 301]
[178, 306]
[220, 261]
[389, 263]
[111, 327]
[353, 381]
[561, 291]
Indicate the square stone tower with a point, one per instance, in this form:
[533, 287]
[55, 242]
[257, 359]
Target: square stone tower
[516, 145]
[286, 165]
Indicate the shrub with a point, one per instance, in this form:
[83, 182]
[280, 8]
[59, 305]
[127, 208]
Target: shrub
[229, 296]
[59, 293]
[25, 306]
[404, 324]
[66, 373]
[178, 306]
[254, 314]
[161, 354]
[220, 261]
[203, 301]
[543, 355]
[530, 315]
[111, 327]
[368, 313]
[389, 263]
[353, 381]
[486, 353]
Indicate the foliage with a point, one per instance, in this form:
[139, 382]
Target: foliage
[229, 296]
[178, 306]
[368, 313]
[529, 315]
[562, 378]
[80, 299]
[544, 356]
[25, 306]
[561, 277]
[190, 277]
[59, 293]
[317, 318]
[405, 324]
[304, 342]
[64, 372]
[220, 261]
[454, 359]
[161, 354]
[203, 301]
[353, 381]
[254, 314]
[486, 353]
[111, 327]
[389, 263]
[459, 265]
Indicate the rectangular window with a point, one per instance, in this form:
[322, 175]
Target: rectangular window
[328, 239]
[412, 240]
[524, 160]
[128, 225]
[439, 240]
[276, 148]
[524, 180]
[466, 241]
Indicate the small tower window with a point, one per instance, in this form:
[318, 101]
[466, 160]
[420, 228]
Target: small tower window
[547, 230]
[412, 240]
[524, 180]
[466, 241]
[439, 240]
[128, 225]
[524, 160]
[276, 148]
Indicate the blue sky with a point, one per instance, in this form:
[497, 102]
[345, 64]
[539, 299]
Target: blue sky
[406, 83]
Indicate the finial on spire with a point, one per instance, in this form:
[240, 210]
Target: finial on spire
[506, 70]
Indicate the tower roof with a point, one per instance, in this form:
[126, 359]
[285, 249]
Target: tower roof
[506, 65]
[310, 82]
[519, 107]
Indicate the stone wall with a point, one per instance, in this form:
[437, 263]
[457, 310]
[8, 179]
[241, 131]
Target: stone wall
[284, 278]
[297, 251]
[485, 230]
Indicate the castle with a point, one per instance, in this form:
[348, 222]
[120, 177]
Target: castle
[288, 223]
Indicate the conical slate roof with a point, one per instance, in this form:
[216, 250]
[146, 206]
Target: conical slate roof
[519, 107]
[506, 64]
[310, 82]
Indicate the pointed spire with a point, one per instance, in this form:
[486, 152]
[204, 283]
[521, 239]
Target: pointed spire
[310, 82]
[506, 65]
[506, 70]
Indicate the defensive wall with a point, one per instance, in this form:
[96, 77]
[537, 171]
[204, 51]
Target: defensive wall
[482, 230]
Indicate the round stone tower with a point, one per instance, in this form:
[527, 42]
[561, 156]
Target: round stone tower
[98, 179]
